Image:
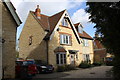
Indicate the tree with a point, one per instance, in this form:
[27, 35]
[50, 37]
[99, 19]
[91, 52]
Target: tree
[106, 16]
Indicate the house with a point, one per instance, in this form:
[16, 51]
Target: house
[8, 29]
[52, 39]
[87, 43]
[100, 52]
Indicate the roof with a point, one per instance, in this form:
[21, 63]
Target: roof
[12, 10]
[98, 44]
[84, 34]
[49, 22]
[60, 49]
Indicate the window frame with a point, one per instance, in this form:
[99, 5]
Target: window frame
[85, 42]
[64, 22]
[61, 58]
[65, 39]
[86, 57]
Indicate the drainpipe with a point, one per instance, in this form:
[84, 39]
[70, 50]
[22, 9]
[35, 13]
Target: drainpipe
[47, 48]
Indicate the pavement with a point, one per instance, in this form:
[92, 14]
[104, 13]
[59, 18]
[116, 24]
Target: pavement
[94, 72]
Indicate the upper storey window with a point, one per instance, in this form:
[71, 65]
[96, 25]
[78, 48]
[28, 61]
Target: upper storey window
[80, 29]
[65, 22]
[65, 39]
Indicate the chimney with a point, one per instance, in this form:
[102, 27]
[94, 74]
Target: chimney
[38, 12]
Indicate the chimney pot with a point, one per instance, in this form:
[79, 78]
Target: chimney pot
[38, 12]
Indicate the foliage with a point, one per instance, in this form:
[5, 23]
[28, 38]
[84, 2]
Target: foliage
[61, 68]
[106, 18]
[84, 64]
[97, 64]
[70, 67]
[65, 68]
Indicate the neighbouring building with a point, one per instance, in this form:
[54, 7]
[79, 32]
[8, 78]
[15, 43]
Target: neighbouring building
[54, 39]
[8, 28]
[87, 43]
[100, 52]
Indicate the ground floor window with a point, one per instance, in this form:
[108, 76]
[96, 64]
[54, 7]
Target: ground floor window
[86, 57]
[61, 58]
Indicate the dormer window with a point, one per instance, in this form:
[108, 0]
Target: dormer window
[80, 29]
[64, 22]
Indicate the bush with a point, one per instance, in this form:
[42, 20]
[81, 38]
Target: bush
[65, 68]
[61, 68]
[69, 67]
[84, 65]
[97, 64]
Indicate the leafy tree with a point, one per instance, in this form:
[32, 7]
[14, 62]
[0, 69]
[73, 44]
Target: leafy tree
[106, 16]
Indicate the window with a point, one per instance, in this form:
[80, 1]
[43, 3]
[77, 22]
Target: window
[86, 57]
[80, 29]
[61, 58]
[85, 42]
[65, 39]
[30, 40]
[64, 22]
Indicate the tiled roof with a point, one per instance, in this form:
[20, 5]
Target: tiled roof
[98, 44]
[60, 49]
[84, 34]
[49, 22]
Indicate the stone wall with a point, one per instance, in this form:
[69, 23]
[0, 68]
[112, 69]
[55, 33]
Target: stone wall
[37, 49]
[9, 29]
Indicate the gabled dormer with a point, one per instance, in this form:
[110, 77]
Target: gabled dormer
[79, 28]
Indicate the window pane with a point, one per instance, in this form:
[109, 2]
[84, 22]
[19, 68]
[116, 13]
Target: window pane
[57, 58]
[61, 39]
[61, 58]
[66, 39]
[64, 58]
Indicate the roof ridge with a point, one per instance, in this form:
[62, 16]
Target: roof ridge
[58, 13]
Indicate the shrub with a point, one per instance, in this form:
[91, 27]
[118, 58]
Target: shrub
[69, 67]
[84, 65]
[61, 68]
[97, 64]
[65, 68]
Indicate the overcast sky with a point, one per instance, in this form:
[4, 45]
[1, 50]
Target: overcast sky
[75, 9]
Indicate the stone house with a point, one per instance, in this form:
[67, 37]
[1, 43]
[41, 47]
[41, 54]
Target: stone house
[53, 39]
[8, 29]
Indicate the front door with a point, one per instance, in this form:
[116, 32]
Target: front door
[72, 59]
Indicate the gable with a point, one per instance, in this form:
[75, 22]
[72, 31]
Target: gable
[12, 11]
[83, 34]
[65, 14]
[35, 29]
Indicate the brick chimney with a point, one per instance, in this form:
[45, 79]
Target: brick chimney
[38, 12]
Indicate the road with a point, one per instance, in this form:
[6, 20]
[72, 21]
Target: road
[94, 72]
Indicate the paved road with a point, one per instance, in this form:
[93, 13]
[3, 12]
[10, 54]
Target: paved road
[95, 72]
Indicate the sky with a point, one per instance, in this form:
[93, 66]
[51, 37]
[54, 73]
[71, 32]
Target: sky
[75, 8]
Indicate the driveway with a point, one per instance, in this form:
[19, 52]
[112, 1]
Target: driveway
[94, 72]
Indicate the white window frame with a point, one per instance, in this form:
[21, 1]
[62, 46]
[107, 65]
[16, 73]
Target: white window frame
[80, 29]
[65, 39]
[65, 22]
[86, 57]
[59, 58]
[85, 42]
